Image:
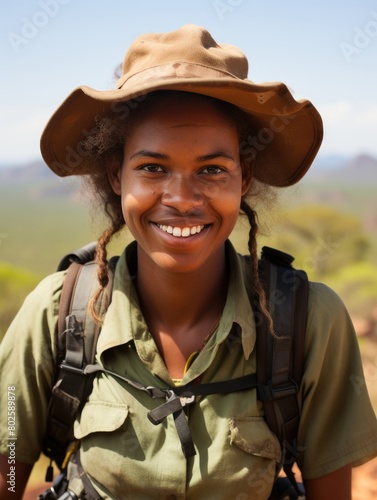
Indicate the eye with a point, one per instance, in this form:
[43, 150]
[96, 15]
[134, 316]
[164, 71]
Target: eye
[152, 168]
[212, 170]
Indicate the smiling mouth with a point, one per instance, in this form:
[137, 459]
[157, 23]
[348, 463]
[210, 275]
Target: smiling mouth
[181, 232]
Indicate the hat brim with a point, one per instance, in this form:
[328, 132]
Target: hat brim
[289, 132]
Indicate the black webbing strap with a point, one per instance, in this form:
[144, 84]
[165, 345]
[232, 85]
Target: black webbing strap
[281, 355]
[184, 391]
[62, 404]
[90, 492]
[176, 398]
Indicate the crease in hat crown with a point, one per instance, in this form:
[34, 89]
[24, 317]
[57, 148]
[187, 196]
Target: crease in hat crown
[190, 44]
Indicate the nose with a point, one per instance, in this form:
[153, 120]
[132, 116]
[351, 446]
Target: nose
[182, 193]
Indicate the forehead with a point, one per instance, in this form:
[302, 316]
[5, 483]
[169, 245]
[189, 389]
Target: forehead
[182, 110]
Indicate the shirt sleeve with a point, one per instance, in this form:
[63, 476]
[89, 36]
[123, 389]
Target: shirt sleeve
[338, 425]
[27, 367]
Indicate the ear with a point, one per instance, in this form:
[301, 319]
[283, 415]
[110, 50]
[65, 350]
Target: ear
[114, 173]
[247, 179]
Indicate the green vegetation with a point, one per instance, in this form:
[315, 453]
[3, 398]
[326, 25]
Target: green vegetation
[15, 283]
[356, 283]
[35, 231]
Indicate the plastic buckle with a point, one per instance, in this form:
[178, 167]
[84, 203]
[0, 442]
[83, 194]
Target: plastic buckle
[187, 400]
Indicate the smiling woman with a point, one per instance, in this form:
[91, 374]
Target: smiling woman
[176, 152]
[189, 132]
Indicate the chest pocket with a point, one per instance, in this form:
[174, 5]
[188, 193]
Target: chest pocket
[253, 436]
[98, 416]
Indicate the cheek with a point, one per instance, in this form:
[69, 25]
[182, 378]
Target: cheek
[136, 203]
[227, 205]
[229, 194]
[229, 188]
[130, 206]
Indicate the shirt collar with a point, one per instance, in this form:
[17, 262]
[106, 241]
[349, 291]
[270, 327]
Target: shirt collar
[238, 308]
[124, 309]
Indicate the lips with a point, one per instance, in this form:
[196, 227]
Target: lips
[181, 232]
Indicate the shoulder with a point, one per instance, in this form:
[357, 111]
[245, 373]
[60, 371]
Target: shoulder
[46, 295]
[326, 309]
[322, 295]
[36, 319]
[28, 363]
[331, 344]
[49, 288]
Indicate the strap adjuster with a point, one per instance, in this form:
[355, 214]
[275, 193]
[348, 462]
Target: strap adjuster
[269, 392]
[171, 405]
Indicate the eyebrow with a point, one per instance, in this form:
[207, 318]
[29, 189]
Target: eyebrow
[161, 156]
[152, 154]
[217, 154]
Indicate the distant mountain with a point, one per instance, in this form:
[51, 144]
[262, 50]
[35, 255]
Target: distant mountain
[33, 171]
[38, 181]
[330, 161]
[360, 170]
[363, 165]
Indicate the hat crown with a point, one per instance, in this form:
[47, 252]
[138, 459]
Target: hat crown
[189, 44]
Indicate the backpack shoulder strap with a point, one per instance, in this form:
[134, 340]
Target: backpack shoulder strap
[76, 339]
[281, 356]
[80, 255]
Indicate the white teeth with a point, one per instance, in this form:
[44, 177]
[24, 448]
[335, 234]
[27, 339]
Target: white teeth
[181, 232]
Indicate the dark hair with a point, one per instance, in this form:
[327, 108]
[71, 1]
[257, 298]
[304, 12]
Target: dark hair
[107, 144]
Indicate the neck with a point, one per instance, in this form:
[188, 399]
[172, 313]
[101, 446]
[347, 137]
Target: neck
[181, 300]
[181, 309]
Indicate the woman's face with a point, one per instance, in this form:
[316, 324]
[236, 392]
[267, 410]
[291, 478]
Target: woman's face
[181, 183]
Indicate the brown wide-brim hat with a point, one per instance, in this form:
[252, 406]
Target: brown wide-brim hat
[287, 135]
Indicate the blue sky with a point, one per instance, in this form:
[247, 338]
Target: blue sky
[325, 51]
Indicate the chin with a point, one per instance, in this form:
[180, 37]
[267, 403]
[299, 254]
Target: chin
[179, 264]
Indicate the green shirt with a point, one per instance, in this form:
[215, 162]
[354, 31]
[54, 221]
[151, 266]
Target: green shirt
[127, 456]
